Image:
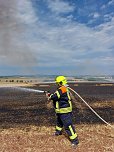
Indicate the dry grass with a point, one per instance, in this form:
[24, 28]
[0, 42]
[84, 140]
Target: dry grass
[102, 104]
[40, 139]
[16, 84]
[105, 84]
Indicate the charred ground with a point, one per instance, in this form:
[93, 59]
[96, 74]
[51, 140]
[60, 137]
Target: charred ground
[23, 108]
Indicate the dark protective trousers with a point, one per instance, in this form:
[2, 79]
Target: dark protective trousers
[65, 120]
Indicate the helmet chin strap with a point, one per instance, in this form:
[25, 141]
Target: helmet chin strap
[60, 83]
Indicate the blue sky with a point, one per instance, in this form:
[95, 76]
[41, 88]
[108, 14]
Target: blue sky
[70, 37]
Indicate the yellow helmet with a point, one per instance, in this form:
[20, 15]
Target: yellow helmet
[61, 80]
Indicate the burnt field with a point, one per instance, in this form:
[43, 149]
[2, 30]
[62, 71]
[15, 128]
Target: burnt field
[31, 113]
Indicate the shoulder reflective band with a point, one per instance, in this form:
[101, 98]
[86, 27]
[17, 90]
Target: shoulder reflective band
[68, 94]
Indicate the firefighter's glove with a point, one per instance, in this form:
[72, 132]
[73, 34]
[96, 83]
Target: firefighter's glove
[48, 96]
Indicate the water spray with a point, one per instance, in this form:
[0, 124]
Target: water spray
[30, 90]
[27, 89]
[91, 108]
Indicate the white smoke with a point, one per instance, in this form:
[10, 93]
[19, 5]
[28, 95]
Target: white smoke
[14, 49]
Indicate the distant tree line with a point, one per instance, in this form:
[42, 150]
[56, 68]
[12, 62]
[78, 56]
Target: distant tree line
[18, 81]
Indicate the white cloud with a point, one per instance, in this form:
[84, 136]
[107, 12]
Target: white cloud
[25, 12]
[103, 6]
[59, 6]
[67, 45]
[108, 17]
[71, 43]
[111, 2]
[96, 15]
[108, 59]
[15, 17]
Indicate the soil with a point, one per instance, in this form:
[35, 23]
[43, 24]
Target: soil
[27, 120]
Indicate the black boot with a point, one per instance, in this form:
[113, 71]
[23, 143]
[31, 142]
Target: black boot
[75, 142]
[57, 133]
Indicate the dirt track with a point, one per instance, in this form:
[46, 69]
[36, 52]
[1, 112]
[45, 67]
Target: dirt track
[27, 121]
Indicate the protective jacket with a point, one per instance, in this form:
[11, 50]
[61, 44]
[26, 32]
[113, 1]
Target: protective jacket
[62, 100]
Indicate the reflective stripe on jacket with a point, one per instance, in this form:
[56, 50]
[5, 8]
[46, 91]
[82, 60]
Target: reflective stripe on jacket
[61, 100]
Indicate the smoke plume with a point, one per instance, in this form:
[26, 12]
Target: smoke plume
[14, 48]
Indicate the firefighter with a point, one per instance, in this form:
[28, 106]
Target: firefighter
[63, 108]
